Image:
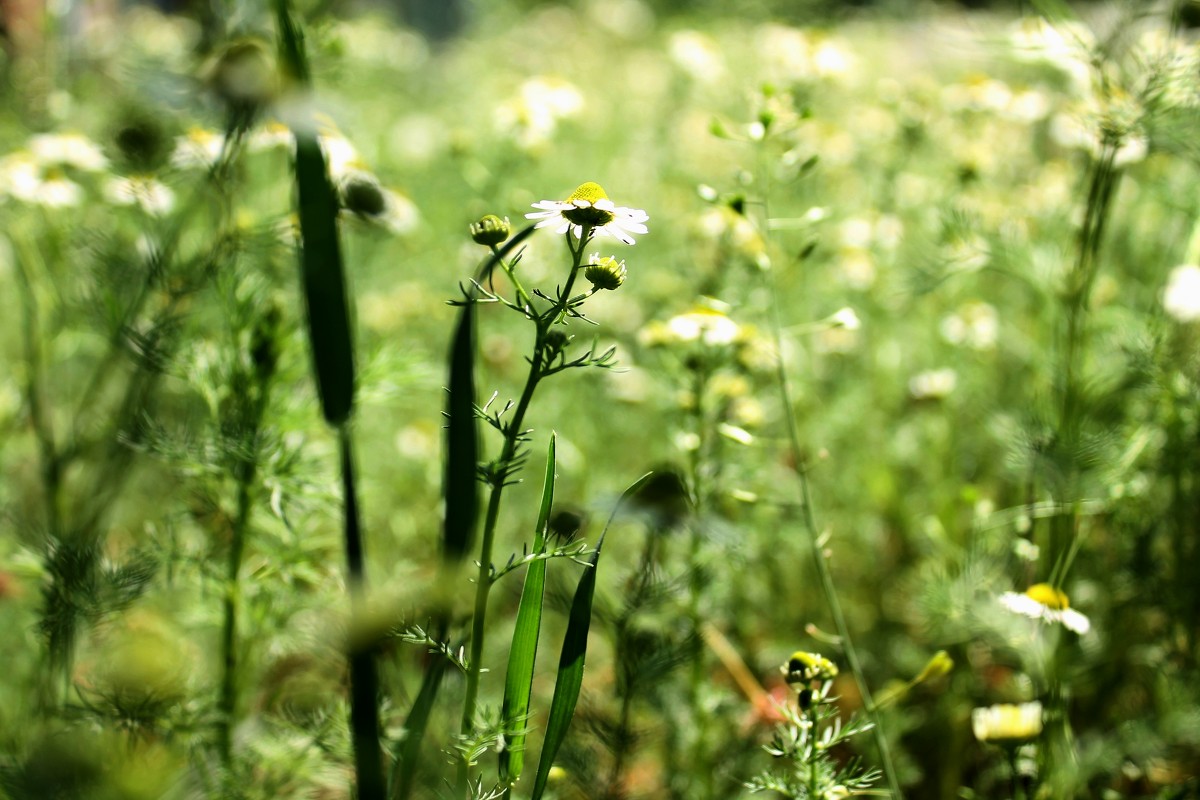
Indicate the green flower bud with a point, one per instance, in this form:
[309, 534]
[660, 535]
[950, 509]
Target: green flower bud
[244, 75]
[490, 230]
[605, 273]
[803, 668]
[362, 195]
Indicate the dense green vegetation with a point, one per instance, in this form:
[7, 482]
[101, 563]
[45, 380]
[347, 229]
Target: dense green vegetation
[868, 348]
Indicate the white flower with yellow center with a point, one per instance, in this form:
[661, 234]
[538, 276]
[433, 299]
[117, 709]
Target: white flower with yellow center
[152, 196]
[26, 180]
[1043, 602]
[68, 150]
[199, 148]
[589, 209]
[1007, 723]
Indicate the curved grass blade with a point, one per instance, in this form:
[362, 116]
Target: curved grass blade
[518, 683]
[574, 653]
[461, 485]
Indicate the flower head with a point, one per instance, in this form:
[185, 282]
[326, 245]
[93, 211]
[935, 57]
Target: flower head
[604, 273]
[588, 208]
[803, 668]
[1181, 298]
[490, 230]
[1007, 723]
[1042, 601]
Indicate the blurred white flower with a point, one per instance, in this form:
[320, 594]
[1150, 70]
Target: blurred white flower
[974, 324]
[1181, 298]
[1043, 602]
[1007, 723]
[151, 195]
[697, 55]
[734, 433]
[531, 116]
[1064, 46]
[68, 150]
[199, 148]
[933, 384]
[27, 180]
[703, 324]
[845, 318]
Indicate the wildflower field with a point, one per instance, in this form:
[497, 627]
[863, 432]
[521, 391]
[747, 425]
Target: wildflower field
[603, 399]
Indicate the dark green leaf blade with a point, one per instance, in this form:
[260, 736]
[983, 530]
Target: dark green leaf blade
[324, 280]
[574, 653]
[522, 656]
[461, 492]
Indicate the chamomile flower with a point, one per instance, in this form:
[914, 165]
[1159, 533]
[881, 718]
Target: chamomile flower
[589, 208]
[1042, 601]
[1007, 723]
[152, 196]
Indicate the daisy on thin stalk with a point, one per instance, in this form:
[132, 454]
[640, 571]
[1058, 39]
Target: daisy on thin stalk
[587, 214]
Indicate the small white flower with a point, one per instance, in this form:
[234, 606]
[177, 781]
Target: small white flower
[589, 208]
[68, 150]
[933, 384]
[1043, 602]
[845, 318]
[27, 180]
[152, 196]
[1007, 722]
[199, 148]
[705, 325]
[1181, 298]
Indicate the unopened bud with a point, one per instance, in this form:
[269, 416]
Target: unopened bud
[490, 230]
[605, 273]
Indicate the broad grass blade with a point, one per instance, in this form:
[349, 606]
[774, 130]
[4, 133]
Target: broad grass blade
[323, 280]
[462, 442]
[574, 653]
[518, 684]
[461, 486]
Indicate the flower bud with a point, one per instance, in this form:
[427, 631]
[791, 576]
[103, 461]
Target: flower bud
[803, 668]
[244, 75]
[605, 273]
[362, 195]
[490, 230]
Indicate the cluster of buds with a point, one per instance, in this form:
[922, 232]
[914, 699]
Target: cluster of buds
[804, 669]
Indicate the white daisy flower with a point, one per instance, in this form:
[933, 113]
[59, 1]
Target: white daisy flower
[26, 180]
[1181, 298]
[199, 148]
[152, 196]
[1007, 722]
[588, 208]
[1042, 601]
[68, 150]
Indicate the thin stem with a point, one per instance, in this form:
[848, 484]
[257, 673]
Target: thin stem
[245, 473]
[800, 466]
[364, 679]
[513, 434]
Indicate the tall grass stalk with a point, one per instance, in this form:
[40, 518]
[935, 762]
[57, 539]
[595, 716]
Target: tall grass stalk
[816, 545]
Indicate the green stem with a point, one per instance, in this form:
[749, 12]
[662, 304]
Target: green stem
[800, 466]
[245, 473]
[364, 679]
[508, 452]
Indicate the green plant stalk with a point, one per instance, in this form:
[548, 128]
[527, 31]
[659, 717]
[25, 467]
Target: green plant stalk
[800, 466]
[508, 451]
[696, 679]
[1077, 300]
[364, 678]
[246, 473]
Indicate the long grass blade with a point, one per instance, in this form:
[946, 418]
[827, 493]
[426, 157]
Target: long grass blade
[414, 730]
[574, 654]
[324, 281]
[461, 485]
[518, 684]
[462, 442]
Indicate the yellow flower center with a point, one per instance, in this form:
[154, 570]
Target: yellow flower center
[1048, 596]
[590, 216]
